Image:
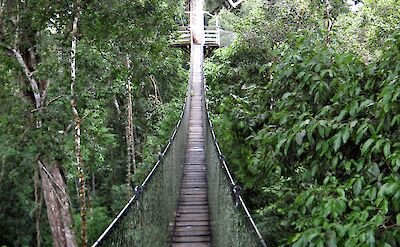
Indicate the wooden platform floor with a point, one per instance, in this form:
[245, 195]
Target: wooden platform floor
[192, 225]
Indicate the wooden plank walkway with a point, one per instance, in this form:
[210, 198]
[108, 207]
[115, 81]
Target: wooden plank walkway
[192, 225]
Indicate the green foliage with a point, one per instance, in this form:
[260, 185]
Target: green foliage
[366, 30]
[98, 220]
[109, 31]
[168, 115]
[318, 133]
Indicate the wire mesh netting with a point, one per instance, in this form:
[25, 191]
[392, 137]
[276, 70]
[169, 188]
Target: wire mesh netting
[147, 219]
[230, 220]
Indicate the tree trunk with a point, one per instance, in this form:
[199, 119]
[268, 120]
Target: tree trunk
[58, 206]
[77, 120]
[130, 139]
[329, 23]
[53, 186]
[157, 95]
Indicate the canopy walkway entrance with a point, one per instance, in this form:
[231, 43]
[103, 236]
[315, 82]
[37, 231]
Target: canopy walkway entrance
[189, 198]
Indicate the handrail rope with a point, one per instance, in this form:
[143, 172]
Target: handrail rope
[221, 158]
[134, 198]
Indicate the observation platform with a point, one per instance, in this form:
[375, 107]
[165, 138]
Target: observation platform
[212, 37]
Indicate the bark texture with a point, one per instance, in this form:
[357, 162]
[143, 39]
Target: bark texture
[58, 206]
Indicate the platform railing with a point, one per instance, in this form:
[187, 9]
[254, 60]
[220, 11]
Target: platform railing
[212, 36]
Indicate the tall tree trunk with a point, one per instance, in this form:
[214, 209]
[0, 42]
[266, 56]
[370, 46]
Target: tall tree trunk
[77, 120]
[130, 139]
[58, 211]
[58, 205]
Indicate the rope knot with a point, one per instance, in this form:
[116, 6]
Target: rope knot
[237, 192]
[138, 191]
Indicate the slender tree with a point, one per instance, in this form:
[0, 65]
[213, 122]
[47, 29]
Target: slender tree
[130, 139]
[77, 120]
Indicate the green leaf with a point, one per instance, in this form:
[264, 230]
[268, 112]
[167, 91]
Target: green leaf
[353, 124]
[300, 137]
[341, 193]
[384, 206]
[387, 189]
[374, 170]
[288, 144]
[365, 104]
[361, 131]
[321, 131]
[300, 75]
[366, 146]
[357, 186]
[281, 142]
[386, 149]
[341, 115]
[314, 170]
[353, 109]
[347, 165]
[398, 219]
[378, 145]
[370, 238]
[337, 142]
[372, 193]
[310, 201]
[394, 120]
[345, 134]
[331, 236]
[335, 161]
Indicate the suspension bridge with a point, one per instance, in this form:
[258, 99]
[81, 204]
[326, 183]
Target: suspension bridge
[189, 199]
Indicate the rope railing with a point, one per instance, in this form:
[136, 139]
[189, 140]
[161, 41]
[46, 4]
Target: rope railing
[231, 221]
[147, 219]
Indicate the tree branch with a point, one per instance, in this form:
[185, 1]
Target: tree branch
[157, 94]
[235, 4]
[48, 103]
[34, 84]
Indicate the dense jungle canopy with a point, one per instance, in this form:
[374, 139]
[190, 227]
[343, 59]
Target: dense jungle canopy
[305, 102]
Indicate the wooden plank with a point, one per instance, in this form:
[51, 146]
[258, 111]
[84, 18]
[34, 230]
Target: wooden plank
[207, 244]
[193, 223]
[192, 233]
[191, 239]
[192, 210]
[189, 198]
[192, 202]
[194, 228]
